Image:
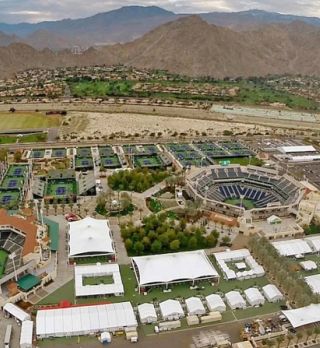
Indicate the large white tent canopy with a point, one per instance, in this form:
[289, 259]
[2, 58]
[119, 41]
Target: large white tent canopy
[303, 316]
[147, 313]
[85, 320]
[26, 335]
[171, 310]
[215, 303]
[16, 312]
[314, 242]
[297, 149]
[272, 293]
[195, 306]
[90, 236]
[235, 300]
[292, 247]
[171, 268]
[254, 297]
[314, 282]
[99, 270]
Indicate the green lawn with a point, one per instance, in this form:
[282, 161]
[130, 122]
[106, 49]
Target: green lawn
[247, 203]
[30, 138]
[101, 88]
[27, 120]
[98, 280]
[243, 161]
[3, 261]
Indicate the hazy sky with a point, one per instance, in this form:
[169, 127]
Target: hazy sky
[38, 10]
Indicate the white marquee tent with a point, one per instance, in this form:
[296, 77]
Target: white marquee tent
[215, 303]
[314, 283]
[173, 268]
[297, 149]
[254, 297]
[171, 310]
[308, 265]
[85, 320]
[89, 237]
[26, 334]
[314, 242]
[16, 312]
[272, 293]
[292, 247]
[303, 316]
[98, 270]
[235, 300]
[147, 313]
[195, 306]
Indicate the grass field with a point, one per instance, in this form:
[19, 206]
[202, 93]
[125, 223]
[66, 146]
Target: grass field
[9, 199]
[98, 280]
[27, 120]
[247, 203]
[152, 161]
[3, 261]
[30, 138]
[243, 161]
[61, 189]
[111, 161]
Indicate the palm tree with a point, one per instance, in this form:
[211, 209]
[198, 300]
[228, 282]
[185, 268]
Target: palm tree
[63, 206]
[79, 207]
[289, 339]
[280, 339]
[317, 332]
[86, 210]
[140, 212]
[269, 343]
[46, 206]
[55, 207]
[309, 333]
[71, 206]
[299, 336]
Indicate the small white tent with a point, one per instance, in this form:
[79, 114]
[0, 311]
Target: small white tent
[308, 265]
[235, 300]
[16, 312]
[195, 306]
[171, 310]
[215, 303]
[147, 313]
[26, 334]
[272, 293]
[254, 297]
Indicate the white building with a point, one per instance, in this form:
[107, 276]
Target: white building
[308, 265]
[85, 320]
[16, 312]
[314, 283]
[195, 306]
[303, 316]
[147, 313]
[293, 247]
[215, 303]
[98, 270]
[254, 297]
[171, 310]
[272, 293]
[90, 237]
[235, 300]
[166, 269]
[26, 335]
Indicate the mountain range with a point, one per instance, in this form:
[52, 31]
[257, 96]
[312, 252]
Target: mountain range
[127, 24]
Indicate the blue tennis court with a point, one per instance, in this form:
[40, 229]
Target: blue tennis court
[12, 183]
[60, 191]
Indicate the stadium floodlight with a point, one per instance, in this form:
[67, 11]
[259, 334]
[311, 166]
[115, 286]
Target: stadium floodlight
[11, 257]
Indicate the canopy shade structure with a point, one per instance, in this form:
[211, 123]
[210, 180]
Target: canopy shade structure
[314, 283]
[147, 313]
[173, 268]
[272, 293]
[314, 242]
[215, 303]
[26, 334]
[109, 274]
[303, 316]
[292, 247]
[90, 237]
[254, 297]
[297, 149]
[171, 310]
[195, 306]
[16, 312]
[235, 300]
[85, 320]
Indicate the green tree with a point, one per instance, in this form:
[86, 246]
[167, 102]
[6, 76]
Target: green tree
[193, 243]
[156, 247]
[175, 245]
[128, 244]
[138, 248]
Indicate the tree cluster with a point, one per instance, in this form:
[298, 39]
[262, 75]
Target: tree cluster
[158, 234]
[284, 271]
[138, 180]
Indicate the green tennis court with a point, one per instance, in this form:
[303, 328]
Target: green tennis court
[111, 161]
[9, 199]
[61, 188]
[3, 261]
[84, 152]
[59, 153]
[246, 203]
[37, 154]
[84, 162]
[148, 161]
[17, 170]
[11, 183]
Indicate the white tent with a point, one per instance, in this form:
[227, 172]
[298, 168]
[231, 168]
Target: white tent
[254, 297]
[215, 303]
[297, 149]
[26, 334]
[314, 242]
[314, 283]
[195, 306]
[235, 300]
[303, 316]
[171, 310]
[308, 265]
[89, 237]
[272, 293]
[16, 312]
[173, 268]
[147, 313]
[292, 247]
[85, 320]
[98, 270]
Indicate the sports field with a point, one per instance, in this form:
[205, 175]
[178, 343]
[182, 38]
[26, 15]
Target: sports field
[246, 203]
[98, 280]
[59, 153]
[38, 153]
[84, 162]
[3, 261]
[61, 189]
[27, 120]
[148, 161]
[17, 170]
[11, 183]
[111, 161]
[9, 199]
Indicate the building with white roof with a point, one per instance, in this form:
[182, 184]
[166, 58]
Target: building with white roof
[94, 271]
[293, 247]
[26, 335]
[147, 313]
[254, 297]
[303, 316]
[314, 242]
[195, 306]
[215, 303]
[85, 320]
[90, 237]
[171, 310]
[180, 267]
[16, 312]
[297, 149]
[272, 293]
[314, 282]
[235, 300]
[308, 265]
